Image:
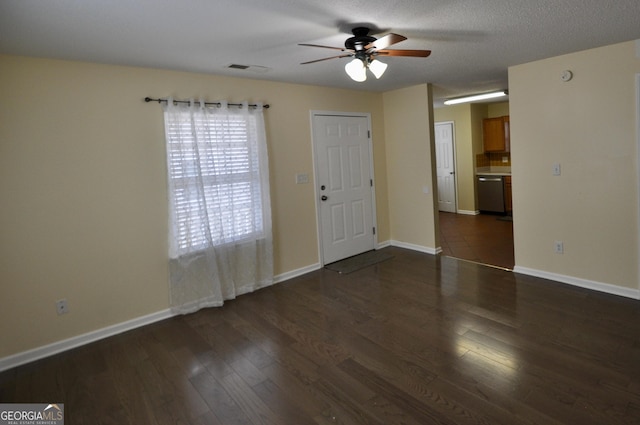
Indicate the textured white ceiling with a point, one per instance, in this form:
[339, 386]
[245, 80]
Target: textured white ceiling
[473, 41]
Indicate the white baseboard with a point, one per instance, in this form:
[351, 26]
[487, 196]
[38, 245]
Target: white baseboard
[419, 248]
[76, 341]
[468, 212]
[295, 273]
[582, 283]
[570, 280]
[383, 244]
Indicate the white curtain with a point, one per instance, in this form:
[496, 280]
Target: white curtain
[220, 241]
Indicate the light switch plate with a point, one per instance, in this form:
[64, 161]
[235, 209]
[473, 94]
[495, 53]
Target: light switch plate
[302, 178]
[556, 170]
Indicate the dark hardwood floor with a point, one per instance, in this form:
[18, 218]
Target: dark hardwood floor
[481, 238]
[418, 339]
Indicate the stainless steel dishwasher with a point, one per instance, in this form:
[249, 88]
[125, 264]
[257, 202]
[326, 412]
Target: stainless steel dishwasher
[490, 193]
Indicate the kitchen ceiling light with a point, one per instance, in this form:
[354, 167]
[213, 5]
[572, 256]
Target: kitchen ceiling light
[475, 97]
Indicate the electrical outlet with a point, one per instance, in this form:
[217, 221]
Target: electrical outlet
[558, 247]
[62, 307]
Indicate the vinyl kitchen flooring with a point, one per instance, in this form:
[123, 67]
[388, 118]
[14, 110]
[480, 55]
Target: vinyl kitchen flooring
[418, 339]
[481, 238]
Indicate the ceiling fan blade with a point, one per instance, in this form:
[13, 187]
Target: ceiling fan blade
[324, 59]
[385, 41]
[412, 53]
[324, 47]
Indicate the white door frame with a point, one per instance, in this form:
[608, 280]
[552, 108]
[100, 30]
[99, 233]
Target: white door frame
[455, 159]
[312, 115]
[638, 145]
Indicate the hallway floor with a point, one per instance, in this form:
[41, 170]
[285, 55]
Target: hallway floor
[481, 238]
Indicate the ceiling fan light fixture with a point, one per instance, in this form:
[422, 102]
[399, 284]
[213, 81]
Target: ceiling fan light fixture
[363, 49]
[357, 70]
[475, 97]
[377, 68]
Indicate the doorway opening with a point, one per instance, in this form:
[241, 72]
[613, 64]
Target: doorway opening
[468, 235]
[479, 238]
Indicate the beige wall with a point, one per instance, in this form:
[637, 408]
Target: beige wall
[83, 184]
[82, 178]
[408, 121]
[499, 109]
[478, 113]
[588, 125]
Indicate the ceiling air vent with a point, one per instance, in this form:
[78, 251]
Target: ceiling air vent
[252, 68]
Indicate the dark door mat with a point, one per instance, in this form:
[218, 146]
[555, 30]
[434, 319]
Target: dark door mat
[358, 262]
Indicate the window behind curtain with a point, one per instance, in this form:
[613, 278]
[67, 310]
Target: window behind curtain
[214, 175]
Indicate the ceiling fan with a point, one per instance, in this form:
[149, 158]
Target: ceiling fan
[365, 49]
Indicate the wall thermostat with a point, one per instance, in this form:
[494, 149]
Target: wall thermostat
[566, 75]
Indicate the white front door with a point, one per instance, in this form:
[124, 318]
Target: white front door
[445, 167]
[344, 185]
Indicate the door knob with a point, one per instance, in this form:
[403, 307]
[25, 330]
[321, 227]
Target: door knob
[324, 197]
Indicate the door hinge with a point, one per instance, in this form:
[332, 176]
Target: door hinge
[368, 134]
[374, 230]
[371, 182]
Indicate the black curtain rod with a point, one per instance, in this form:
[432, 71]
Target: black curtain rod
[149, 99]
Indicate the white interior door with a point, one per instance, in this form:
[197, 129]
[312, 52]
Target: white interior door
[344, 185]
[445, 167]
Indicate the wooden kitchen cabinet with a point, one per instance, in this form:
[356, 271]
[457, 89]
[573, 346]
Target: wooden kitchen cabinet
[508, 205]
[495, 134]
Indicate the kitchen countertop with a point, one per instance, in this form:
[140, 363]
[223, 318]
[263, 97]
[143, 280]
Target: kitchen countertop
[484, 173]
[493, 171]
